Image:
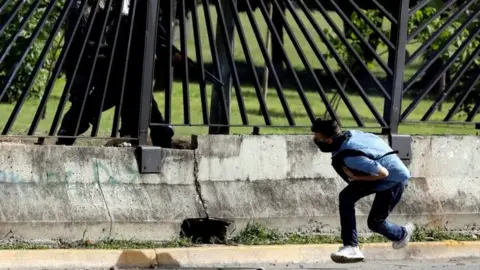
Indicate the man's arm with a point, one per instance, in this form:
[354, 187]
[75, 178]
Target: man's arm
[374, 170]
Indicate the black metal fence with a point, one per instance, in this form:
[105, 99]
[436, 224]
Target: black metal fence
[112, 66]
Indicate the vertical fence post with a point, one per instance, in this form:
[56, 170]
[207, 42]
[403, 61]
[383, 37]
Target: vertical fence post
[217, 115]
[148, 65]
[392, 108]
[168, 8]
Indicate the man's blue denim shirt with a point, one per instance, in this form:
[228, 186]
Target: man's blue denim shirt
[375, 146]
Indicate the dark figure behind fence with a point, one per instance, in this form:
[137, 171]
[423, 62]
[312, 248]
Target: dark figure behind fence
[161, 135]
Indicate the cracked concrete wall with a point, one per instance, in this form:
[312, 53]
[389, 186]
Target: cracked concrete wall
[51, 192]
[285, 182]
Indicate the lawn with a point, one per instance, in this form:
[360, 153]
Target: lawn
[288, 45]
[24, 119]
[275, 110]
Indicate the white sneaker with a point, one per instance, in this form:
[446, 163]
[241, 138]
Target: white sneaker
[347, 254]
[409, 228]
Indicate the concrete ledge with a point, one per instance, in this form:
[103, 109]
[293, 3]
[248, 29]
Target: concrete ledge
[222, 256]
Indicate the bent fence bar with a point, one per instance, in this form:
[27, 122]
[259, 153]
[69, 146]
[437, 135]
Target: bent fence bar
[118, 67]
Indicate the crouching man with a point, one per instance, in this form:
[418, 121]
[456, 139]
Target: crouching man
[369, 166]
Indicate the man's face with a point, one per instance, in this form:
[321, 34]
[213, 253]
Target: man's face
[326, 144]
[319, 137]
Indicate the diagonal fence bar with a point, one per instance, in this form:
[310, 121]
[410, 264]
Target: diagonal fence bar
[306, 67]
[184, 48]
[220, 106]
[439, 31]
[419, 6]
[226, 41]
[3, 4]
[94, 66]
[362, 39]
[373, 26]
[372, 108]
[120, 98]
[474, 111]
[269, 62]
[115, 52]
[342, 63]
[198, 53]
[12, 15]
[52, 79]
[441, 98]
[250, 63]
[288, 63]
[320, 88]
[70, 83]
[28, 86]
[434, 80]
[426, 23]
[438, 53]
[350, 48]
[385, 12]
[6, 49]
[461, 99]
[32, 39]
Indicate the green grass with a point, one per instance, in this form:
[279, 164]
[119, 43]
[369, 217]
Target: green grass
[300, 115]
[275, 110]
[254, 234]
[289, 45]
[103, 244]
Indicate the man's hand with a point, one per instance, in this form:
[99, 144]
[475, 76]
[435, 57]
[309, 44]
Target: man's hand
[382, 174]
[348, 173]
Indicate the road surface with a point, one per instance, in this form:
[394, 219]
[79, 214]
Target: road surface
[456, 264]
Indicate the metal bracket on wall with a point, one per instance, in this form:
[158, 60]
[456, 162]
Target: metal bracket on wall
[402, 144]
[149, 159]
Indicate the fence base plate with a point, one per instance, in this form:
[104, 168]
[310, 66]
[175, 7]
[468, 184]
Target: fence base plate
[402, 144]
[149, 159]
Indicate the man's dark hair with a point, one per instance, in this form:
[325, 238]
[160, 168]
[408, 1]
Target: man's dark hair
[329, 128]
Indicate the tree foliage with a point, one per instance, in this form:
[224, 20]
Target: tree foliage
[19, 47]
[366, 31]
[438, 32]
[448, 44]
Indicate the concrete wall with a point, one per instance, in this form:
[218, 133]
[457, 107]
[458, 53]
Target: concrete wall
[286, 183]
[51, 192]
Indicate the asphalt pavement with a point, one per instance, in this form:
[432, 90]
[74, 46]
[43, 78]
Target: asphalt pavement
[367, 265]
[460, 264]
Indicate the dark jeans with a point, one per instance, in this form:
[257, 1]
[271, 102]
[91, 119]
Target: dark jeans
[382, 206]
